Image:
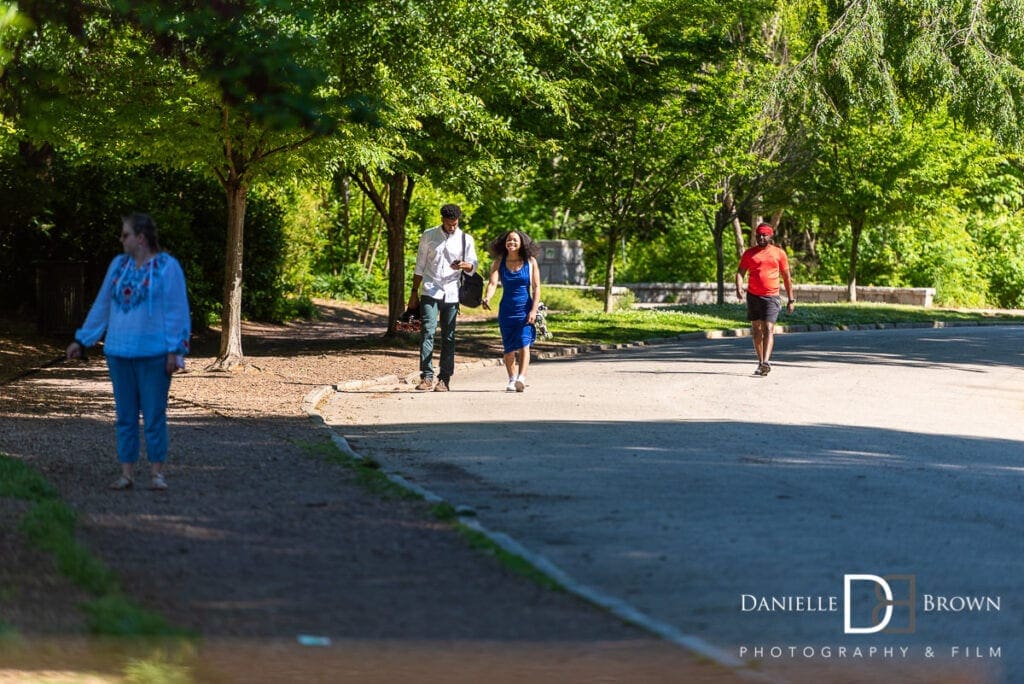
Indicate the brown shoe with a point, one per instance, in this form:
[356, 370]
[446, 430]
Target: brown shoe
[425, 384]
[441, 386]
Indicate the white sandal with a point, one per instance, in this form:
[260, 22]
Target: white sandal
[121, 483]
[159, 483]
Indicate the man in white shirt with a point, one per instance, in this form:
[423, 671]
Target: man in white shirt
[444, 253]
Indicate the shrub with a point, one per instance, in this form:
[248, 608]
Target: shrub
[57, 211]
[352, 283]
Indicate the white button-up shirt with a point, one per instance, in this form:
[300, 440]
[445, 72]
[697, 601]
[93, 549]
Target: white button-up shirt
[434, 258]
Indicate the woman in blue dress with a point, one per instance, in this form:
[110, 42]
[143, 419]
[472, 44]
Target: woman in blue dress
[515, 265]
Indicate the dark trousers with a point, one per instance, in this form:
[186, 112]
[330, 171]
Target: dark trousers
[433, 312]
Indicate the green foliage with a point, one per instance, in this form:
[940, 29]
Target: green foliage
[564, 299]
[871, 56]
[944, 256]
[651, 126]
[258, 58]
[685, 253]
[57, 210]
[1002, 247]
[12, 26]
[572, 299]
[604, 121]
[938, 253]
[353, 283]
[506, 205]
[875, 194]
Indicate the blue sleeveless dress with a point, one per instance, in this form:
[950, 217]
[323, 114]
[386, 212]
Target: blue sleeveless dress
[514, 308]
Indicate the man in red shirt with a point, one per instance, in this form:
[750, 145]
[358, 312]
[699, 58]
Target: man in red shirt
[766, 263]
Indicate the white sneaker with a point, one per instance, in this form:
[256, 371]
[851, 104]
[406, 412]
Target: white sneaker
[511, 386]
[520, 384]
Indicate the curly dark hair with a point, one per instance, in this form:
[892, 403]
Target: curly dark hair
[451, 211]
[527, 247]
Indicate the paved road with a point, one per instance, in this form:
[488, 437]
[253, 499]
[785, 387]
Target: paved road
[672, 478]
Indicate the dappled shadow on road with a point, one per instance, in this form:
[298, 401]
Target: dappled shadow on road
[627, 447]
[78, 388]
[693, 513]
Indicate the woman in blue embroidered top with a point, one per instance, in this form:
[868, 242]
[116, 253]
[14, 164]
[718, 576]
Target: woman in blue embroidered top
[142, 307]
[515, 263]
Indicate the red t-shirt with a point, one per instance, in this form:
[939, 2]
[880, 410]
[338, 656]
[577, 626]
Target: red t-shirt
[764, 265]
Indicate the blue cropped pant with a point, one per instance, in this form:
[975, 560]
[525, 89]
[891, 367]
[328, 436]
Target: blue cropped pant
[140, 385]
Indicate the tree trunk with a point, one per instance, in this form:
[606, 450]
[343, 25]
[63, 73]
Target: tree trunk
[363, 245]
[372, 258]
[343, 224]
[717, 227]
[737, 230]
[609, 271]
[230, 357]
[856, 228]
[725, 216]
[394, 208]
[722, 219]
[400, 193]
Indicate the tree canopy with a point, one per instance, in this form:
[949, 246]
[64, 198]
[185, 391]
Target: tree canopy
[625, 120]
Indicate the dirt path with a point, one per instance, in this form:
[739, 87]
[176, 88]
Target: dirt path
[260, 538]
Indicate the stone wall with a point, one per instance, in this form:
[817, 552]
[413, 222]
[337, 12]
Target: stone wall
[707, 293]
[561, 261]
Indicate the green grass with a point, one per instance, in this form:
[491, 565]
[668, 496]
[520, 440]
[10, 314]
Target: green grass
[374, 480]
[367, 471]
[18, 481]
[49, 525]
[574, 327]
[513, 562]
[160, 668]
[113, 614]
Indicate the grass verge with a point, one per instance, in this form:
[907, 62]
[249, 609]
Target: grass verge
[372, 478]
[573, 327]
[49, 525]
[366, 470]
[517, 564]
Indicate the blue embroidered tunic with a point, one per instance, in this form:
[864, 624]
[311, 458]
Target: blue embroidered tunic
[143, 310]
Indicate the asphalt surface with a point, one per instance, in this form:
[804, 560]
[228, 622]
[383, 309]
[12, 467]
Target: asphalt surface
[730, 507]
